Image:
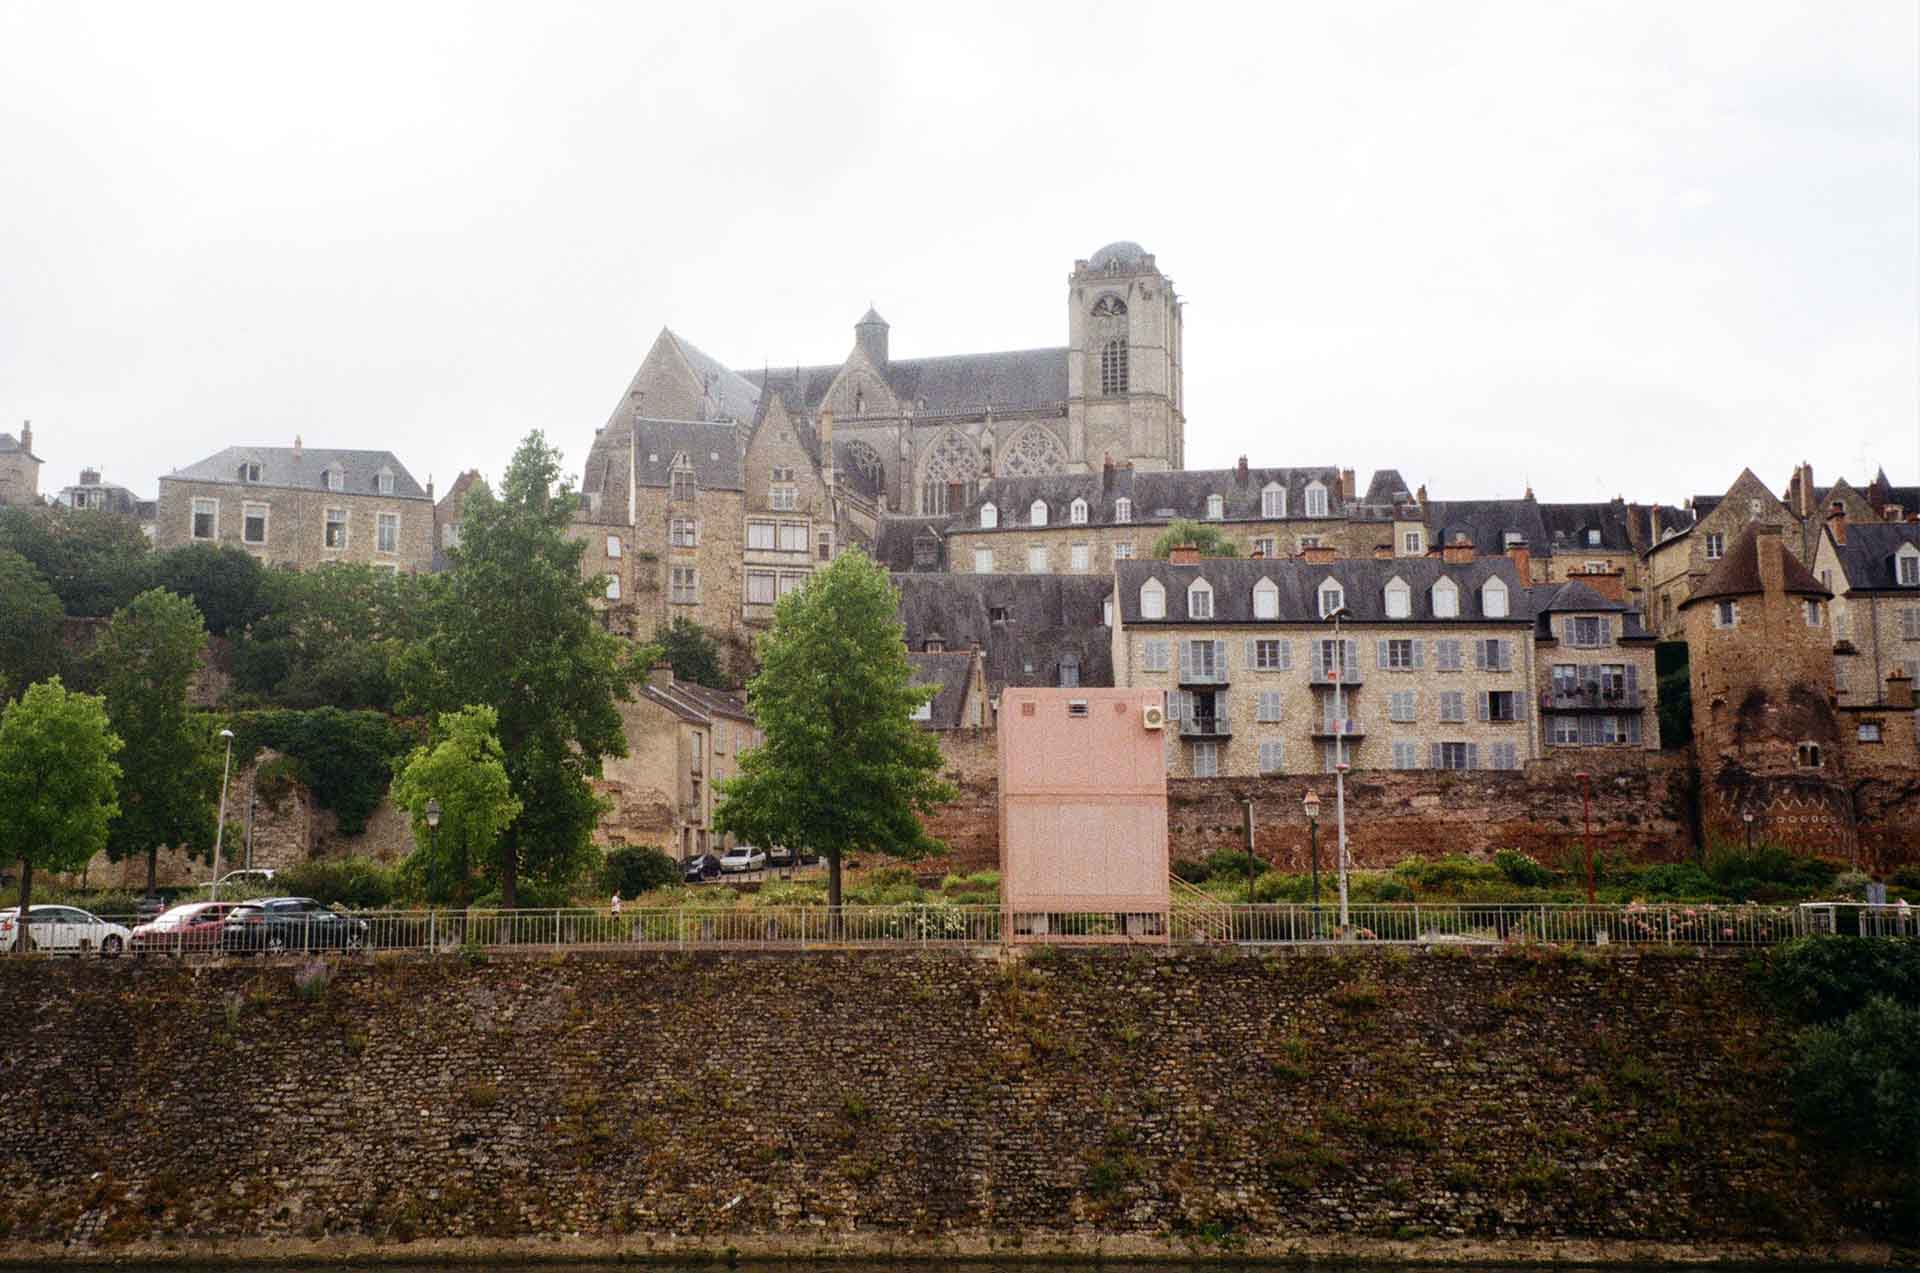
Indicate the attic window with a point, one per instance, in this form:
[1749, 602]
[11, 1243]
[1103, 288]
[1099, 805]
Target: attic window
[1493, 599]
[1077, 514]
[1037, 513]
[1908, 571]
[1070, 679]
[1593, 539]
[1273, 500]
[331, 479]
[989, 516]
[250, 472]
[1316, 499]
[997, 614]
[1123, 510]
[1216, 508]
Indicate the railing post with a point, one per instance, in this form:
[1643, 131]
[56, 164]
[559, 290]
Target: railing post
[433, 941]
[1416, 922]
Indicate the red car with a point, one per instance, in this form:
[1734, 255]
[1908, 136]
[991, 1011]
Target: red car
[190, 928]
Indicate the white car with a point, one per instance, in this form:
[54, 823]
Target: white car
[743, 857]
[256, 878]
[64, 930]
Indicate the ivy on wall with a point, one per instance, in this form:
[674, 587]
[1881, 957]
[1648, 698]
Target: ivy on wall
[344, 758]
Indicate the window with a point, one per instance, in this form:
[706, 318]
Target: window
[784, 497]
[383, 483]
[793, 537]
[250, 472]
[1909, 566]
[1079, 558]
[1070, 673]
[1216, 508]
[1593, 538]
[1273, 500]
[1566, 731]
[983, 561]
[1840, 675]
[1203, 662]
[684, 587]
[930, 551]
[1077, 512]
[1403, 705]
[1910, 623]
[1334, 754]
[1401, 653]
[1200, 600]
[1267, 708]
[1505, 756]
[1036, 559]
[989, 516]
[1809, 755]
[1583, 630]
[1266, 600]
[206, 518]
[1406, 755]
[1305, 542]
[1812, 611]
[613, 587]
[1037, 513]
[1499, 705]
[1399, 599]
[1493, 599]
[1266, 546]
[253, 523]
[1333, 657]
[1493, 655]
[332, 479]
[1123, 510]
[1726, 614]
[790, 582]
[1273, 758]
[1446, 599]
[1153, 600]
[335, 534]
[760, 588]
[1453, 755]
[1716, 546]
[449, 535]
[1271, 655]
[759, 534]
[1869, 731]
[1453, 706]
[1566, 679]
[683, 532]
[1156, 655]
[1113, 367]
[681, 485]
[1413, 543]
[1596, 567]
[1123, 551]
[613, 547]
[923, 712]
[1447, 656]
[1332, 597]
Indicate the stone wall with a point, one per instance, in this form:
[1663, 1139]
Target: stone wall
[1191, 1102]
[296, 523]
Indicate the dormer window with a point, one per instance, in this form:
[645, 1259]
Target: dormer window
[1077, 514]
[1216, 508]
[1907, 566]
[1037, 513]
[1123, 510]
[1273, 500]
[1493, 599]
[332, 478]
[1153, 600]
[1399, 599]
[1446, 600]
[250, 471]
[1593, 539]
[989, 516]
[1316, 499]
[1332, 597]
[1200, 600]
[383, 481]
[1266, 600]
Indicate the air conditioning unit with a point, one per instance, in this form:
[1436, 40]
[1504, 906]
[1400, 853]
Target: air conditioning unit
[1153, 716]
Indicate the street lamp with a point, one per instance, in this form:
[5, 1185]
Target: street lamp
[433, 840]
[1310, 804]
[220, 828]
[1252, 863]
[1746, 816]
[1586, 813]
[1340, 758]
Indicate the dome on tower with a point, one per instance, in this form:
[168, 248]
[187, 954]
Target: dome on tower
[1120, 253]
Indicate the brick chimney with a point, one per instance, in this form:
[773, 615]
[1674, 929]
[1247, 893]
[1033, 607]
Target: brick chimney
[1421, 494]
[1383, 552]
[1802, 502]
[660, 676]
[1770, 547]
[1346, 485]
[1457, 553]
[1893, 513]
[1522, 558]
[89, 477]
[1184, 555]
[1240, 469]
[1653, 525]
[1611, 584]
[26, 436]
[1837, 522]
[296, 446]
[1899, 689]
[1320, 554]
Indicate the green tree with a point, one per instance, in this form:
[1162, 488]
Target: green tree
[1183, 533]
[30, 615]
[464, 771]
[692, 652]
[329, 636]
[170, 769]
[95, 561]
[228, 584]
[515, 629]
[843, 768]
[57, 777]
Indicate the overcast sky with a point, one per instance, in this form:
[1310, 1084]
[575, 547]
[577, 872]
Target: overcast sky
[1609, 249]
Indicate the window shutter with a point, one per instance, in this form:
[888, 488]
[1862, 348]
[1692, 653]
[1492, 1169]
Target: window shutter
[1480, 655]
[1633, 680]
[1606, 630]
[1520, 706]
[1286, 656]
[1380, 656]
[1253, 655]
[1220, 659]
[1589, 730]
[1473, 755]
[1434, 755]
[1186, 660]
[1505, 650]
[1483, 704]
[1351, 654]
[1633, 729]
[1419, 653]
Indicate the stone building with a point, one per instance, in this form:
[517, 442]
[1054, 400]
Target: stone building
[1594, 670]
[301, 507]
[1432, 667]
[90, 492]
[447, 515]
[1873, 569]
[1676, 565]
[19, 467]
[681, 741]
[960, 676]
[1032, 630]
[1879, 501]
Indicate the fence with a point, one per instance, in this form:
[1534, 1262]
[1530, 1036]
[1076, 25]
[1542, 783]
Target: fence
[1191, 920]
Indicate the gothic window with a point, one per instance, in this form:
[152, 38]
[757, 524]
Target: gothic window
[1113, 367]
[1032, 452]
[948, 475]
[1109, 306]
[864, 460]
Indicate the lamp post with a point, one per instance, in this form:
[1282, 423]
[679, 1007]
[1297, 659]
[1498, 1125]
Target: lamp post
[433, 842]
[220, 828]
[1340, 759]
[1310, 804]
[1586, 813]
[1746, 816]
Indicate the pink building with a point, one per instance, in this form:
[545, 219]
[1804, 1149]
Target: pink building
[1083, 815]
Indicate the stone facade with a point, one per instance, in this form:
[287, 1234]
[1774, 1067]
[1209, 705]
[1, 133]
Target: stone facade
[1677, 564]
[19, 468]
[682, 741]
[1594, 675]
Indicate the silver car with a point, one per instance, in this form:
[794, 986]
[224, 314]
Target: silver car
[63, 930]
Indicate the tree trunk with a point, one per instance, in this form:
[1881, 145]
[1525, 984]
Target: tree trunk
[834, 918]
[153, 866]
[26, 900]
[509, 868]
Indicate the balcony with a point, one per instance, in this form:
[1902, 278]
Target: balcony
[1593, 700]
[1204, 678]
[1330, 727]
[1327, 677]
[1215, 726]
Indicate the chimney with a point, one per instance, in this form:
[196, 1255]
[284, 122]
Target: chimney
[1240, 469]
[1899, 689]
[1346, 485]
[1522, 558]
[1653, 524]
[1421, 494]
[429, 486]
[1184, 555]
[934, 644]
[296, 446]
[26, 436]
[1770, 549]
[1383, 552]
[1457, 553]
[660, 676]
[870, 333]
[89, 477]
[1837, 523]
[1611, 584]
[1803, 490]
[1893, 513]
[1320, 554]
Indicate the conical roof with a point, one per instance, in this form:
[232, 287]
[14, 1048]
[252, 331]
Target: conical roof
[1738, 573]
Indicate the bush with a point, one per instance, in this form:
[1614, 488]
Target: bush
[1231, 863]
[1768, 873]
[356, 883]
[1193, 872]
[1821, 979]
[1519, 868]
[1858, 1082]
[1676, 880]
[1443, 875]
[634, 870]
[344, 758]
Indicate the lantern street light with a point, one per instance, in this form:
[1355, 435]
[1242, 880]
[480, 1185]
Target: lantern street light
[219, 829]
[1747, 817]
[1310, 805]
[1340, 758]
[1586, 811]
[433, 841]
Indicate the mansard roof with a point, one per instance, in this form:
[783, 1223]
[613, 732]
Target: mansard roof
[1485, 523]
[1867, 558]
[1737, 574]
[949, 670]
[1041, 619]
[303, 468]
[1363, 580]
[1013, 381]
[1157, 495]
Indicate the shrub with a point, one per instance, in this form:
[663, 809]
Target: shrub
[1821, 979]
[638, 869]
[1676, 880]
[358, 883]
[345, 758]
[1768, 872]
[1193, 872]
[1858, 1082]
[1522, 869]
[1231, 863]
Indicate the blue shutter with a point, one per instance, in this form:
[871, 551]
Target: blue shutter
[1220, 660]
[1483, 704]
[1480, 655]
[1606, 630]
[1381, 658]
[1186, 661]
[1633, 729]
[1434, 753]
[1351, 655]
[1473, 755]
[1419, 652]
[1633, 681]
[1286, 656]
[1253, 659]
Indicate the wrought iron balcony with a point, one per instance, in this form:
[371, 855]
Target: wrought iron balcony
[1593, 700]
[1327, 676]
[1215, 726]
[1329, 727]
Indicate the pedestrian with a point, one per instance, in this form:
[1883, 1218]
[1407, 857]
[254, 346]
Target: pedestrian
[616, 903]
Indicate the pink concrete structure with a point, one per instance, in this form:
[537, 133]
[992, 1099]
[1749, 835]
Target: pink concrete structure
[1083, 815]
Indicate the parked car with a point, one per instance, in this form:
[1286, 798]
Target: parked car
[700, 868]
[289, 923]
[63, 929]
[780, 855]
[191, 928]
[743, 857]
[253, 877]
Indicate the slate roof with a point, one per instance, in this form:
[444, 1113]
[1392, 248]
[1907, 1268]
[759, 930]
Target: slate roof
[1485, 523]
[1566, 528]
[680, 706]
[1737, 574]
[1158, 496]
[301, 469]
[714, 447]
[1044, 618]
[117, 499]
[1387, 492]
[10, 444]
[1572, 596]
[848, 474]
[1016, 380]
[1363, 580]
[950, 671]
[1867, 558]
[734, 396]
[714, 701]
[895, 537]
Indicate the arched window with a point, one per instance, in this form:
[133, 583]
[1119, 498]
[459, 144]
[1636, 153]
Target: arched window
[1332, 597]
[1809, 754]
[1153, 600]
[1113, 367]
[1123, 510]
[1316, 499]
[1446, 600]
[1109, 306]
[1493, 599]
[1216, 508]
[1200, 600]
[1399, 599]
[1273, 500]
[1266, 600]
[1077, 513]
[1037, 513]
[949, 473]
[989, 516]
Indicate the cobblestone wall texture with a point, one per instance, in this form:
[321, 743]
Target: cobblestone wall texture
[1195, 1096]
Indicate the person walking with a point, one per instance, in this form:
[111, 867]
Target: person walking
[616, 903]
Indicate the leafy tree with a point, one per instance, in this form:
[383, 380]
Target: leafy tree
[228, 584]
[1857, 1081]
[465, 772]
[30, 637]
[633, 870]
[515, 630]
[329, 636]
[344, 758]
[692, 652]
[170, 767]
[1182, 533]
[843, 768]
[94, 560]
[57, 777]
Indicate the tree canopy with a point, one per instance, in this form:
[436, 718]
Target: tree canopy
[95, 561]
[465, 773]
[843, 768]
[329, 636]
[1183, 533]
[691, 650]
[57, 779]
[30, 626]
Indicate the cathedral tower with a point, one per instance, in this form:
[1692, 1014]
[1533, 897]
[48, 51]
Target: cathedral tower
[1124, 392]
